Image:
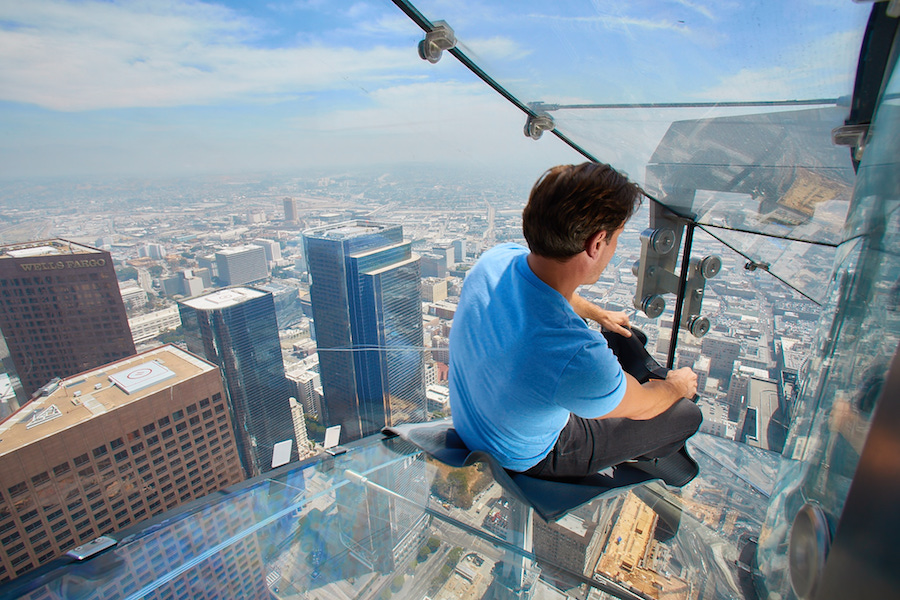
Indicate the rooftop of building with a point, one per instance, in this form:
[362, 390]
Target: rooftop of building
[87, 395]
[346, 230]
[53, 247]
[223, 298]
[238, 249]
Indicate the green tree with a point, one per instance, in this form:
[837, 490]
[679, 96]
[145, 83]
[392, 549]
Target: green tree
[454, 556]
[172, 336]
[124, 273]
[155, 270]
[397, 583]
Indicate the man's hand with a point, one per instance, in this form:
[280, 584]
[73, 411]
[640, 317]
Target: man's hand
[684, 380]
[613, 321]
[617, 322]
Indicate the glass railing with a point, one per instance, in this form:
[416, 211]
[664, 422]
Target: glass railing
[384, 520]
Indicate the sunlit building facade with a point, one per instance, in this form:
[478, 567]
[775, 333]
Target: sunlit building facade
[242, 264]
[108, 449]
[365, 300]
[235, 328]
[61, 311]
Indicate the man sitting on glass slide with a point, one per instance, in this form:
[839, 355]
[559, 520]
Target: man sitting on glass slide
[530, 383]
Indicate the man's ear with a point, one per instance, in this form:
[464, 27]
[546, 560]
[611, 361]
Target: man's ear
[593, 244]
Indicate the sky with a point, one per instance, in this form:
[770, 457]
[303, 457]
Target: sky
[121, 87]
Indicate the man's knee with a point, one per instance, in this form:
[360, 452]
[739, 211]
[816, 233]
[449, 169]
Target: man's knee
[687, 416]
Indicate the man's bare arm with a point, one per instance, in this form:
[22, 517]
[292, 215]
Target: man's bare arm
[613, 321]
[653, 398]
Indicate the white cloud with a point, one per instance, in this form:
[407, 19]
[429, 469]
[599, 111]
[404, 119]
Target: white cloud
[617, 22]
[460, 122]
[698, 8]
[494, 48]
[808, 71]
[98, 55]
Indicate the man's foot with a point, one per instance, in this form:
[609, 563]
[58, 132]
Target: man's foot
[675, 470]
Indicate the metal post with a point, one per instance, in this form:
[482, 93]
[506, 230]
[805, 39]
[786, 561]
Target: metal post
[682, 283]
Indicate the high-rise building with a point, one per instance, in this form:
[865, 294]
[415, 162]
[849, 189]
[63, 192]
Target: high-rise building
[434, 265]
[61, 312]
[365, 299]
[235, 328]
[154, 251]
[459, 250]
[148, 326]
[242, 264]
[133, 296]
[290, 210]
[304, 379]
[434, 289]
[271, 248]
[722, 353]
[209, 263]
[300, 434]
[446, 250]
[571, 541]
[144, 280]
[109, 448]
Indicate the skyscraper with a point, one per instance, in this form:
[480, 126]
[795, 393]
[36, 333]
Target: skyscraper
[61, 311]
[109, 448]
[235, 328]
[365, 301]
[290, 210]
[242, 264]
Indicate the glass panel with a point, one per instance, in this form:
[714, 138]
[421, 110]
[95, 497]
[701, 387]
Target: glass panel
[374, 519]
[583, 61]
[748, 364]
[856, 340]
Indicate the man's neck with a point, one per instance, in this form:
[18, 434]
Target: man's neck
[562, 276]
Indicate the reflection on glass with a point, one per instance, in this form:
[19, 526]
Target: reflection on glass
[856, 339]
[384, 517]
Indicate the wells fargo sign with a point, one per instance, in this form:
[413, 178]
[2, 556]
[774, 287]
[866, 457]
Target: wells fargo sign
[63, 264]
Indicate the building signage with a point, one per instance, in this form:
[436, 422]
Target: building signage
[64, 264]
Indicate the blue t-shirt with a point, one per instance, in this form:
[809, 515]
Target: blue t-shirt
[522, 360]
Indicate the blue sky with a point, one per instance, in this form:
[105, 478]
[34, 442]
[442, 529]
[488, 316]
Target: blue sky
[165, 86]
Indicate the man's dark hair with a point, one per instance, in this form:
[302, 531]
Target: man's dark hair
[570, 203]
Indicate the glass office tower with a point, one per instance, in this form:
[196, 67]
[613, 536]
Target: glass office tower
[365, 300]
[235, 328]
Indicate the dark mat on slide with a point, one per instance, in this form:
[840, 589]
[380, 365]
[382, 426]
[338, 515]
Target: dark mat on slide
[550, 499]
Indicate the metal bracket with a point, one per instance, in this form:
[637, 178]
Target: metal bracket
[700, 270]
[92, 548]
[853, 136]
[655, 272]
[536, 125]
[752, 266]
[436, 41]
